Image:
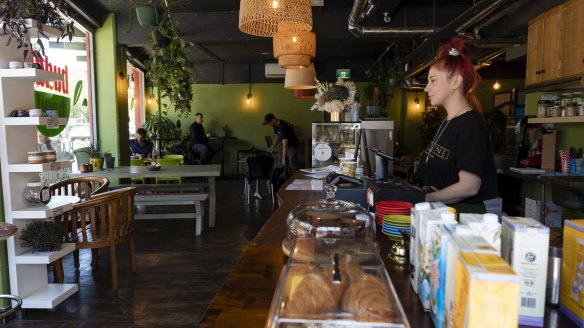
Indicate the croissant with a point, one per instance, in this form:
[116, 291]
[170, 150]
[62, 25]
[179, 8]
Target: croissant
[314, 294]
[368, 300]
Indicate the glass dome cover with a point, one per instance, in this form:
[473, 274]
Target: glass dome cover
[331, 219]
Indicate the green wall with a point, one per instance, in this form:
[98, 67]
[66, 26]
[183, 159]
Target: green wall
[111, 92]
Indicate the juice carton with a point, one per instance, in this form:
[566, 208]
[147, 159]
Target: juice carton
[416, 212]
[461, 239]
[572, 286]
[433, 220]
[484, 225]
[525, 246]
[487, 290]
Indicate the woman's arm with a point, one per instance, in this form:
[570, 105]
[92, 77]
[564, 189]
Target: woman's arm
[467, 186]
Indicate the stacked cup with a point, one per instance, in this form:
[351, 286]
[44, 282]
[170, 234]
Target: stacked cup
[565, 161]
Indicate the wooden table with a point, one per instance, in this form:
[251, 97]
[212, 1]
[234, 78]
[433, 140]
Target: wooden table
[186, 171]
[245, 298]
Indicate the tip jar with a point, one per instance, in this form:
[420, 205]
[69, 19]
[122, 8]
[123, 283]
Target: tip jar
[36, 194]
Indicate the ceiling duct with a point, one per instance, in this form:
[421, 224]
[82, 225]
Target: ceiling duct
[363, 8]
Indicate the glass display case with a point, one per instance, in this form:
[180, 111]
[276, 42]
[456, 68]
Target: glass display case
[346, 286]
[333, 141]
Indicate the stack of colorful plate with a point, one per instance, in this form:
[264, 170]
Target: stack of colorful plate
[393, 216]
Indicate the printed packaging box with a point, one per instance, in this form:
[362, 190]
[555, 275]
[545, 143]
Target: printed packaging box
[572, 286]
[487, 291]
[417, 211]
[484, 225]
[462, 239]
[525, 246]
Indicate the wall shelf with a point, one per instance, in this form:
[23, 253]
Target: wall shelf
[56, 206]
[44, 167]
[11, 121]
[32, 74]
[44, 257]
[48, 296]
[552, 120]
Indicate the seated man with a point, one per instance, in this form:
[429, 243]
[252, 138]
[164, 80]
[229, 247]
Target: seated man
[200, 141]
[140, 146]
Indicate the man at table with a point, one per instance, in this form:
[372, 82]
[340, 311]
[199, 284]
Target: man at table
[140, 146]
[200, 141]
[286, 135]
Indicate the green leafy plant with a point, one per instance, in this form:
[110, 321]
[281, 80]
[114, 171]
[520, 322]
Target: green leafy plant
[13, 22]
[161, 126]
[170, 67]
[43, 235]
[93, 150]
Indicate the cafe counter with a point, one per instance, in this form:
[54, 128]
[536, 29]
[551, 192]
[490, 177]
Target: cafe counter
[245, 298]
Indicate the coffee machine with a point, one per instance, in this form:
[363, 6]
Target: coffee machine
[516, 145]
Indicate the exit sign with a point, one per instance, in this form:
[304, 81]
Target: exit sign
[344, 73]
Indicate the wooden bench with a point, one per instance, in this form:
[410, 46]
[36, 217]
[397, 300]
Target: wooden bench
[174, 194]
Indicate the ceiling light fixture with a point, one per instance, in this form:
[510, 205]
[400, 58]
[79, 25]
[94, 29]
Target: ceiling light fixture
[249, 96]
[300, 78]
[497, 84]
[417, 101]
[295, 54]
[304, 93]
[268, 18]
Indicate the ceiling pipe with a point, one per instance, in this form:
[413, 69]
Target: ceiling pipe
[507, 11]
[363, 8]
[474, 14]
[488, 59]
[94, 23]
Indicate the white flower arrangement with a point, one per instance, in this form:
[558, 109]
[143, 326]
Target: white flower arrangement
[334, 98]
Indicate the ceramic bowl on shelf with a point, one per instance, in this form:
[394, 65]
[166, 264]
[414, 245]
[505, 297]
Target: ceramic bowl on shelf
[35, 112]
[15, 64]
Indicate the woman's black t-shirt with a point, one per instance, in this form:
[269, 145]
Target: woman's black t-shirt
[462, 145]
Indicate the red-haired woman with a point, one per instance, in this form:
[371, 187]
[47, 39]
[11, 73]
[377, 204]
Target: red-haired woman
[458, 163]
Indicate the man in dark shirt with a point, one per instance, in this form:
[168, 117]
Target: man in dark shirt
[284, 133]
[141, 146]
[200, 141]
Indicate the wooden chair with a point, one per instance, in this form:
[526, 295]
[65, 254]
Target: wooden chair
[110, 221]
[84, 188]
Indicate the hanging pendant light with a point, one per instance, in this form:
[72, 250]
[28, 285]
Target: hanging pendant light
[294, 52]
[304, 93]
[304, 78]
[249, 96]
[497, 84]
[271, 17]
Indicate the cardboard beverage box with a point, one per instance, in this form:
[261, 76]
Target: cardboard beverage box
[487, 291]
[525, 246]
[484, 225]
[432, 220]
[460, 239]
[417, 211]
[572, 286]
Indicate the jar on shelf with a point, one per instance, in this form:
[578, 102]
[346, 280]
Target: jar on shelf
[555, 111]
[543, 108]
[35, 157]
[572, 110]
[581, 109]
[36, 194]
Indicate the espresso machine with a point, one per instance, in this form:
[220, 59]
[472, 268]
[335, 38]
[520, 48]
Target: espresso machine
[516, 144]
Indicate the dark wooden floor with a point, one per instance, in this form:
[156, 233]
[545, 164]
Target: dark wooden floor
[178, 273]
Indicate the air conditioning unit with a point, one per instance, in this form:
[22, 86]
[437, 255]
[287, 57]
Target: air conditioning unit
[273, 71]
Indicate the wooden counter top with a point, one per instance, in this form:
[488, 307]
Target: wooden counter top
[245, 299]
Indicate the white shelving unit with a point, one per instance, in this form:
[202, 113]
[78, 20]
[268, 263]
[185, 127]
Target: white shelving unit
[28, 270]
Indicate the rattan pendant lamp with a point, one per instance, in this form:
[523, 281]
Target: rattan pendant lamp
[270, 17]
[304, 78]
[294, 52]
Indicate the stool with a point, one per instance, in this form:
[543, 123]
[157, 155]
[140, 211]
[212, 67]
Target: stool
[196, 157]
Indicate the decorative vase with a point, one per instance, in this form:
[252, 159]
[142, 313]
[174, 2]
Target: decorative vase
[109, 162]
[373, 111]
[97, 163]
[348, 117]
[335, 117]
[147, 16]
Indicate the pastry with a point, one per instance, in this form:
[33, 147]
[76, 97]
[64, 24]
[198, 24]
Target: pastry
[368, 300]
[310, 292]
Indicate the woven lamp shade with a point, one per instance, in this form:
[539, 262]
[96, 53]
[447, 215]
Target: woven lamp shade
[300, 78]
[260, 18]
[304, 93]
[294, 52]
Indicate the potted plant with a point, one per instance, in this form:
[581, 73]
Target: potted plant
[95, 155]
[16, 16]
[43, 236]
[170, 67]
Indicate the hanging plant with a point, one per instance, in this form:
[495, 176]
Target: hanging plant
[170, 67]
[15, 24]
